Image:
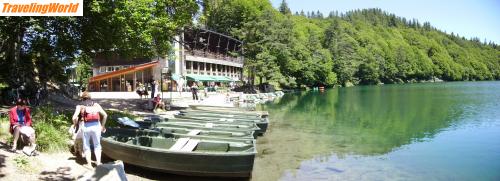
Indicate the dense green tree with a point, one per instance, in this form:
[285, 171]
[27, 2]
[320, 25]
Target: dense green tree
[284, 8]
[36, 50]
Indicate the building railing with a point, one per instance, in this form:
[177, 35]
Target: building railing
[207, 54]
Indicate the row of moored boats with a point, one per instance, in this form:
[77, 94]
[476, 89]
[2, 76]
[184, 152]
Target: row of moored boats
[200, 140]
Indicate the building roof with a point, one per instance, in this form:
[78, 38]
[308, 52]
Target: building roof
[113, 59]
[123, 71]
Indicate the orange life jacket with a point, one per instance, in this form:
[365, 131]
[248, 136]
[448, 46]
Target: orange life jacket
[89, 115]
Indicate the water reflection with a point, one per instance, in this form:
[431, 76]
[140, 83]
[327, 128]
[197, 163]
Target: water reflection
[367, 122]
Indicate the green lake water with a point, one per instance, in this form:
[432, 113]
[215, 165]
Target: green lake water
[435, 131]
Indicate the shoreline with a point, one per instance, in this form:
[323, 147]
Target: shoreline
[63, 165]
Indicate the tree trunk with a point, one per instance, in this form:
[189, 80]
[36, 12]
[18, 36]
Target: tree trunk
[15, 52]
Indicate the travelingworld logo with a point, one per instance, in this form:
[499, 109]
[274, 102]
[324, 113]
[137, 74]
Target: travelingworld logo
[41, 7]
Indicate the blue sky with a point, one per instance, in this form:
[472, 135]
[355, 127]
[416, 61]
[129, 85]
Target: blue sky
[469, 18]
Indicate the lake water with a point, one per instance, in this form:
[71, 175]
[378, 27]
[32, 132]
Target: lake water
[435, 131]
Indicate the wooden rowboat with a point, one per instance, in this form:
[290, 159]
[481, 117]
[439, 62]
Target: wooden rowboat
[210, 126]
[261, 123]
[222, 114]
[225, 110]
[180, 155]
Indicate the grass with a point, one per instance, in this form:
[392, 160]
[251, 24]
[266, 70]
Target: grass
[26, 164]
[22, 161]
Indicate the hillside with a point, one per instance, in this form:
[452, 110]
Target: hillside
[366, 46]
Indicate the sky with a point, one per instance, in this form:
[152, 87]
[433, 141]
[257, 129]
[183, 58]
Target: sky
[468, 18]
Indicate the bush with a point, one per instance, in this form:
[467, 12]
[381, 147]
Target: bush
[51, 128]
[4, 128]
[49, 138]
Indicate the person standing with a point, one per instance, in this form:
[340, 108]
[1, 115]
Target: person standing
[37, 96]
[194, 90]
[205, 91]
[94, 119]
[153, 88]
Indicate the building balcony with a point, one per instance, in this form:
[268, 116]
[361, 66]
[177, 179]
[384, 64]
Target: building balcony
[215, 56]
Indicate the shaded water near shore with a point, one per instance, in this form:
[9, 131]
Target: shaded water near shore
[441, 131]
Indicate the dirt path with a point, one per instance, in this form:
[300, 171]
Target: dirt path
[46, 166]
[64, 166]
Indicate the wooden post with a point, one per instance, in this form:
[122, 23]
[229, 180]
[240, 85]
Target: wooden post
[227, 48]
[121, 85]
[198, 67]
[134, 87]
[218, 45]
[195, 41]
[208, 42]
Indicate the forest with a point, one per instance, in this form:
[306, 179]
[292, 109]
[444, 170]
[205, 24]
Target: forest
[290, 49]
[368, 46]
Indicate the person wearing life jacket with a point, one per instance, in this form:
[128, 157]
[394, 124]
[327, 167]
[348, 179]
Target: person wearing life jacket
[158, 103]
[94, 119]
[20, 124]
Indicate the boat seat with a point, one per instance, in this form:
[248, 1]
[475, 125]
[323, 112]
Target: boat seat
[212, 147]
[160, 143]
[179, 144]
[190, 145]
[226, 120]
[194, 132]
[165, 131]
[209, 125]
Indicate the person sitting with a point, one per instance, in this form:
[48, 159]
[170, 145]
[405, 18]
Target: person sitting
[158, 103]
[21, 125]
[141, 90]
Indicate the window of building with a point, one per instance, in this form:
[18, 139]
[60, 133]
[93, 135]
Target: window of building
[195, 65]
[102, 69]
[109, 69]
